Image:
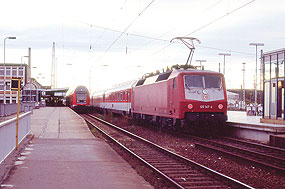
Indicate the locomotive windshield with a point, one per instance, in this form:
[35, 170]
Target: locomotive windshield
[200, 81]
[81, 95]
[195, 81]
[203, 87]
[213, 81]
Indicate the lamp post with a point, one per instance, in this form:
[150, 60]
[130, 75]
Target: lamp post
[255, 85]
[224, 54]
[5, 67]
[22, 59]
[5, 44]
[243, 83]
[201, 62]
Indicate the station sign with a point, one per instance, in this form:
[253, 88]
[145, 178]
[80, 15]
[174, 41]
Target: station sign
[15, 83]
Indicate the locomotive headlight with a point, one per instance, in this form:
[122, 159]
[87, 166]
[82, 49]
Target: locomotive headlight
[220, 106]
[190, 106]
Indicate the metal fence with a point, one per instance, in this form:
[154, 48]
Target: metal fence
[8, 133]
[9, 109]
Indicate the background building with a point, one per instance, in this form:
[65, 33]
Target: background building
[273, 74]
[31, 89]
[6, 73]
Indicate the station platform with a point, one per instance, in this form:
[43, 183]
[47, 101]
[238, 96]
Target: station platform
[250, 127]
[64, 154]
[240, 119]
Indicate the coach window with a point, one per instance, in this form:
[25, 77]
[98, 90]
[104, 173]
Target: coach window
[174, 83]
[128, 93]
[121, 96]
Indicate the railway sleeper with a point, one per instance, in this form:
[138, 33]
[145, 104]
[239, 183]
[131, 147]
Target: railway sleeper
[178, 170]
[201, 183]
[175, 174]
[165, 167]
[186, 178]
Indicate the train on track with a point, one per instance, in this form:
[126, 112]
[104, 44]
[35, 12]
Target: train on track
[178, 98]
[78, 99]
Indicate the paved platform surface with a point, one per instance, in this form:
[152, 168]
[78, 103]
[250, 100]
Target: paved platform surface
[240, 119]
[64, 154]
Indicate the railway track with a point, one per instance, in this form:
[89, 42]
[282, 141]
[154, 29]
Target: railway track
[262, 155]
[179, 171]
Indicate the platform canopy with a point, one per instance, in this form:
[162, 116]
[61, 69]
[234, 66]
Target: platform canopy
[55, 97]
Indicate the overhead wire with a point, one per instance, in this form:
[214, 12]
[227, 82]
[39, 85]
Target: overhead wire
[221, 17]
[206, 25]
[213, 5]
[128, 26]
[164, 40]
[156, 39]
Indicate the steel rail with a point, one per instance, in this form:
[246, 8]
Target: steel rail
[263, 159]
[135, 155]
[222, 178]
[272, 148]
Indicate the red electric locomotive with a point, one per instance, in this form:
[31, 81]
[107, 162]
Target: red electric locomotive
[178, 98]
[78, 99]
[181, 98]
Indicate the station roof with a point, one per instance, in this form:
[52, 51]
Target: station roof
[274, 52]
[56, 92]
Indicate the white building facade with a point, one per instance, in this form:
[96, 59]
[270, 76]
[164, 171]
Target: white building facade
[7, 72]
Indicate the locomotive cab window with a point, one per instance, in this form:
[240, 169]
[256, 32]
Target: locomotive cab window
[194, 81]
[213, 81]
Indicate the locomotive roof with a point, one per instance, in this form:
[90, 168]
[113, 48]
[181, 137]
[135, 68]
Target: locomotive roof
[171, 74]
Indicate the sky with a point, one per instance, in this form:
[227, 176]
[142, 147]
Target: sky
[103, 43]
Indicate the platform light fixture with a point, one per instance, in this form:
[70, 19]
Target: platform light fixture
[255, 85]
[5, 66]
[201, 62]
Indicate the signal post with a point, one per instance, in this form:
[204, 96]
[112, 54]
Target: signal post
[16, 86]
